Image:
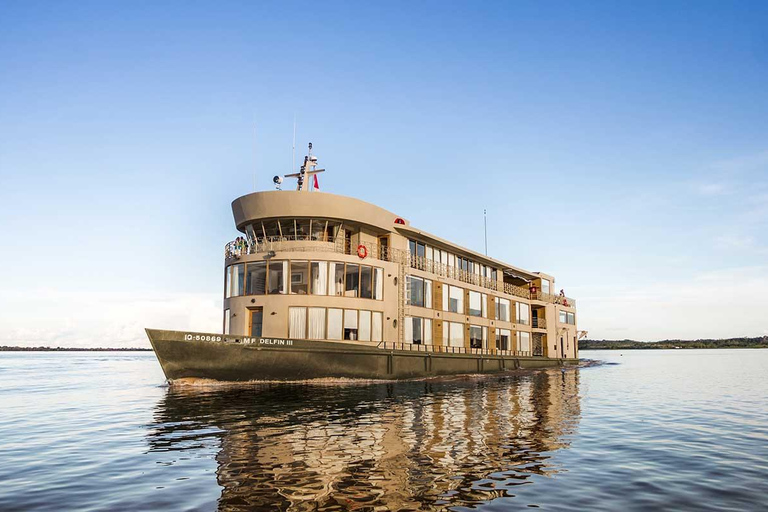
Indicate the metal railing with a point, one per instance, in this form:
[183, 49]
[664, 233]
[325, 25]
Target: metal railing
[539, 323]
[339, 245]
[440, 349]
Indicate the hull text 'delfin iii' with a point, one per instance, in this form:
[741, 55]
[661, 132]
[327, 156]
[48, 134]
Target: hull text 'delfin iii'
[321, 285]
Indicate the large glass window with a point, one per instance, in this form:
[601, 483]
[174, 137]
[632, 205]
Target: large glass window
[297, 323]
[475, 336]
[456, 334]
[419, 291]
[336, 285]
[366, 282]
[277, 271]
[319, 277]
[523, 341]
[317, 323]
[418, 330]
[571, 318]
[563, 317]
[413, 330]
[352, 280]
[502, 309]
[235, 280]
[545, 285]
[350, 324]
[378, 283]
[256, 278]
[300, 277]
[523, 313]
[456, 299]
[226, 321]
[475, 304]
[377, 325]
[364, 326]
[335, 324]
[503, 338]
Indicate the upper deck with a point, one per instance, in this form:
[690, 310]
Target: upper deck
[321, 222]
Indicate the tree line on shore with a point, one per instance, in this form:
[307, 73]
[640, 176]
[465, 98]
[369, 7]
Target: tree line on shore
[759, 342]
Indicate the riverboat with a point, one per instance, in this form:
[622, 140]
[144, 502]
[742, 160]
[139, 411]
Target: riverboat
[326, 286]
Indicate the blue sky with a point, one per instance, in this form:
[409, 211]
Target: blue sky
[621, 147]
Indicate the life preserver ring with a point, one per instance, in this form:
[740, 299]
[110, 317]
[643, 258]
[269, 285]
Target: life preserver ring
[362, 252]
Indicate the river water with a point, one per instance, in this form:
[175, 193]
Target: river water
[646, 430]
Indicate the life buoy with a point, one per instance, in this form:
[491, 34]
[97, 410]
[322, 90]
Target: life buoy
[362, 251]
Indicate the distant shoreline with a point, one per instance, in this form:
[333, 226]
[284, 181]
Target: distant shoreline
[759, 342]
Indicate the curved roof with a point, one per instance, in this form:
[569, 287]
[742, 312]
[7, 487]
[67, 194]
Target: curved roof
[292, 203]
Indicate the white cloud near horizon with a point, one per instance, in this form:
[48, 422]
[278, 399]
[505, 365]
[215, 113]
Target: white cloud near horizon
[718, 304]
[53, 318]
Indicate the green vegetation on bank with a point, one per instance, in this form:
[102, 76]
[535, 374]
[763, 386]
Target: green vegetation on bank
[760, 342]
[70, 349]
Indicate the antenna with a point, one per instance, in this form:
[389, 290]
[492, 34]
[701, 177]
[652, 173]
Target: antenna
[485, 230]
[293, 148]
[255, 131]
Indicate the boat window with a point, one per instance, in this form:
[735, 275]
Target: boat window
[502, 339]
[366, 284]
[377, 325]
[302, 229]
[364, 331]
[271, 228]
[336, 284]
[475, 336]
[235, 280]
[456, 334]
[456, 299]
[523, 313]
[299, 277]
[523, 341]
[256, 278]
[502, 309]
[378, 283]
[350, 324]
[226, 321]
[319, 270]
[415, 290]
[297, 323]
[317, 323]
[334, 324]
[352, 282]
[277, 271]
[475, 304]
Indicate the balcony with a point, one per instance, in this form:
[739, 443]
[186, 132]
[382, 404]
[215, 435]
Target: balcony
[339, 245]
[539, 323]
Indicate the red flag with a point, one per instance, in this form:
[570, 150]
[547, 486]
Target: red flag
[316, 185]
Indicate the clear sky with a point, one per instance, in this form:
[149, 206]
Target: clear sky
[619, 146]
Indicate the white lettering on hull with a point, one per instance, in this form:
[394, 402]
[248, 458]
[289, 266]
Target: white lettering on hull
[244, 341]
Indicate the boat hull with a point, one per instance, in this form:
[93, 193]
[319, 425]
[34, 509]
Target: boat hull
[185, 355]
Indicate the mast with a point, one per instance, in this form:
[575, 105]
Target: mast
[307, 172]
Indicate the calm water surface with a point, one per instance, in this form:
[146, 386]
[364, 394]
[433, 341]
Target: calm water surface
[648, 430]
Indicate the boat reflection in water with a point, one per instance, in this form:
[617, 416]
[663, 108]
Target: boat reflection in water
[404, 445]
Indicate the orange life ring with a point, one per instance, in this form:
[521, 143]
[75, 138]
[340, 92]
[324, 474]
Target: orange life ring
[362, 251]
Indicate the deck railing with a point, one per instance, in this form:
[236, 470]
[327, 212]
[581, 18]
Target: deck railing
[416, 347]
[539, 323]
[339, 245]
